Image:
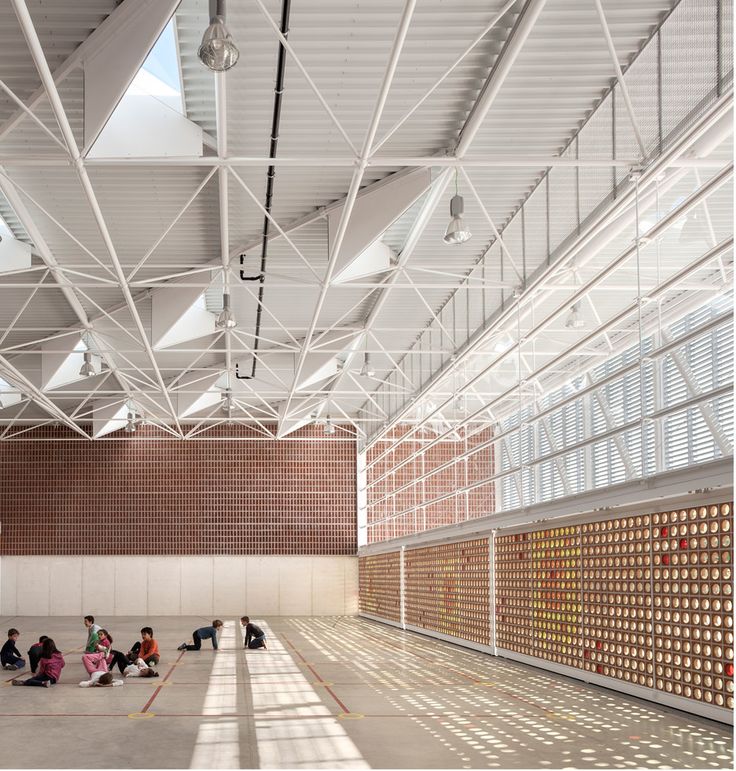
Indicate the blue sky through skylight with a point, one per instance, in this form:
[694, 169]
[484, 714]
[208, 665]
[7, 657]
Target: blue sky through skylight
[159, 75]
[162, 62]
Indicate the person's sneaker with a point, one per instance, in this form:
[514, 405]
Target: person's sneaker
[11, 667]
[47, 683]
[152, 664]
[182, 647]
[17, 682]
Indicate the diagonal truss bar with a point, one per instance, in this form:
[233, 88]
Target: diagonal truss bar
[355, 182]
[176, 219]
[34, 45]
[290, 50]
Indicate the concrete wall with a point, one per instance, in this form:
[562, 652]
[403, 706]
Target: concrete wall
[172, 586]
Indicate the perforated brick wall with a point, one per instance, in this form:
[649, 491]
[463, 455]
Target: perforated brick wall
[414, 485]
[379, 584]
[647, 599]
[160, 496]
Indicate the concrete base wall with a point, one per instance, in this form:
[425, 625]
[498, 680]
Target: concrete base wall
[172, 586]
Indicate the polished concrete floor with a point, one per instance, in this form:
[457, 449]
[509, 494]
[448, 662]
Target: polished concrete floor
[334, 693]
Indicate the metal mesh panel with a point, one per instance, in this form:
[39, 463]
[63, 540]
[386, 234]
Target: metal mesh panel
[641, 82]
[725, 51]
[689, 64]
[596, 141]
[535, 228]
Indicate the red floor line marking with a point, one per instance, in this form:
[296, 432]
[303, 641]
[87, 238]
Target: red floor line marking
[316, 674]
[158, 690]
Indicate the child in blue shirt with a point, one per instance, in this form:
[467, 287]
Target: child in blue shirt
[204, 633]
[9, 654]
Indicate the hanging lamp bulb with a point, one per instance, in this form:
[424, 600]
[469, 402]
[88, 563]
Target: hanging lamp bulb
[575, 320]
[457, 232]
[329, 426]
[87, 367]
[130, 425]
[227, 402]
[367, 369]
[217, 51]
[226, 318]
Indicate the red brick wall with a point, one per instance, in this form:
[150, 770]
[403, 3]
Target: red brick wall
[419, 498]
[160, 496]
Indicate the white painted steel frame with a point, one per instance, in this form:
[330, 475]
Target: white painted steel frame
[225, 165]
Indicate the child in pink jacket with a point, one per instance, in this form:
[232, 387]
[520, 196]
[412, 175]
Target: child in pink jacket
[49, 667]
[98, 661]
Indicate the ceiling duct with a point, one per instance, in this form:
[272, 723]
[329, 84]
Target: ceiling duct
[270, 175]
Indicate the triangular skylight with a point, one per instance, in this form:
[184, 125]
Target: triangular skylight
[149, 119]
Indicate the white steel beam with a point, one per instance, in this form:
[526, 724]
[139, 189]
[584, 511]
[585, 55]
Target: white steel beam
[357, 178]
[34, 45]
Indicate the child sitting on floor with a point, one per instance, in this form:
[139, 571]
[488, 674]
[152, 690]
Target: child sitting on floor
[92, 630]
[9, 654]
[96, 660]
[34, 653]
[50, 665]
[146, 648]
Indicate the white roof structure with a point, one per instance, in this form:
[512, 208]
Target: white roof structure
[129, 205]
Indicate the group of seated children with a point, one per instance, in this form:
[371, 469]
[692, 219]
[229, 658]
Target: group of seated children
[99, 658]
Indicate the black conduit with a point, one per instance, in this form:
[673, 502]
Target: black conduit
[270, 174]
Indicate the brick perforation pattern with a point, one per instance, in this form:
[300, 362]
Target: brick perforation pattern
[411, 497]
[557, 595]
[656, 599]
[513, 584]
[447, 589]
[379, 585]
[176, 497]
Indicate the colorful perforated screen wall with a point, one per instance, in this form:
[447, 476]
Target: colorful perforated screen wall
[645, 599]
[379, 585]
[447, 589]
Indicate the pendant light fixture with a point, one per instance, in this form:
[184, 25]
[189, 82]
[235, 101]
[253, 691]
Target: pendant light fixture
[227, 402]
[329, 426]
[226, 319]
[367, 369]
[575, 319]
[457, 232]
[130, 425]
[87, 369]
[217, 51]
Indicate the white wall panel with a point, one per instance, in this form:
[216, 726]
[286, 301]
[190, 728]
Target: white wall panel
[32, 589]
[196, 586]
[131, 586]
[262, 586]
[351, 587]
[229, 595]
[210, 586]
[328, 586]
[295, 586]
[164, 586]
[98, 586]
[65, 587]
[8, 566]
